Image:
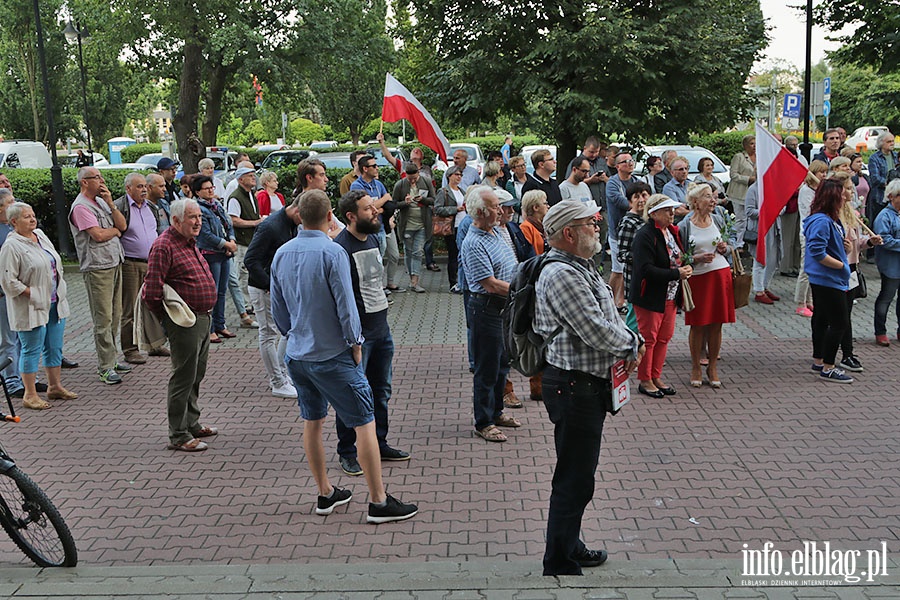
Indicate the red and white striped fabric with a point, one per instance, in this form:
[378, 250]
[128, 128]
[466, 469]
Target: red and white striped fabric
[778, 175]
[399, 103]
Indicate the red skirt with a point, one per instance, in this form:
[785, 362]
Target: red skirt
[713, 299]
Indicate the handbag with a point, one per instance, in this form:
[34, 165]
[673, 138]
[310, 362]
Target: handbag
[858, 283]
[687, 297]
[741, 281]
[442, 225]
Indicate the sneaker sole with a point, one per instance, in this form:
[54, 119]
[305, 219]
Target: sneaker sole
[292, 396]
[852, 369]
[330, 509]
[401, 459]
[377, 520]
[830, 380]
[352, 473]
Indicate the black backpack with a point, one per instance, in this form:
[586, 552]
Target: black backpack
[526, 349]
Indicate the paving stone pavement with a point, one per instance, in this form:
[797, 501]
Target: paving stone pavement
[774, 456]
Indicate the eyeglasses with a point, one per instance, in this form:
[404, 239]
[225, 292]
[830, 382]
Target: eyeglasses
[630, 161]
[206, 188]
[373, 165]
[100, 177]
[595, 224]
[583, 170]
[680, 169]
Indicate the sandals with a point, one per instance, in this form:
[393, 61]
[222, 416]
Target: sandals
[206, 432]
[507, 421]
[61, 394]
[214, 339]
[491, 434]
[714, 383]
[193, 445]
[36, 403]
[226, 334]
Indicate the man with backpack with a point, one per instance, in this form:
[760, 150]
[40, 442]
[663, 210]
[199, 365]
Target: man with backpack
[576, 313]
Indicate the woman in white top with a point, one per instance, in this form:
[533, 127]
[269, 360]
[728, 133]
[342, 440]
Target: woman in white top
[710, 282]
[450, 202]
[802, 292]
[32, 279]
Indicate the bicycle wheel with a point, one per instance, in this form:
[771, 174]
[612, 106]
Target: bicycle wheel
[33, 523]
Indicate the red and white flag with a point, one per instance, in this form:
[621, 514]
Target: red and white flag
[399, 103]
[778, 175]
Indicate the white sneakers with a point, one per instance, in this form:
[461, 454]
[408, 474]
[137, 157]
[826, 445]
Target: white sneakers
[284, 391]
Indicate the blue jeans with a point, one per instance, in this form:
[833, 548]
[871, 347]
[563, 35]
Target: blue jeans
[44, 342]
[9, 347]
[413, 242]
[889, 288]
[234, 286]
[377, 364]
[469, 353]
[219, 267]
[491, 362]
[429, 248]
[575, 406]
[339, 382]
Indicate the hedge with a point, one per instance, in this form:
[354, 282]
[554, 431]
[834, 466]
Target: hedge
[34, 187]
[133, 152]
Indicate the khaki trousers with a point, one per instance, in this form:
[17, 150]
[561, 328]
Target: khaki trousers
[133, 272]
[104, 292]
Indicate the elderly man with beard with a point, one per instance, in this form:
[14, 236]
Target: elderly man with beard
[572, 298]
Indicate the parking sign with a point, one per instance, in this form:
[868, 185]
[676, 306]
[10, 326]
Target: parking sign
[792, 106]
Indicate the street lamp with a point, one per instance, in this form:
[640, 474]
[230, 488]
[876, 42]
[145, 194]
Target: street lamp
[74, 35]
[56, 182]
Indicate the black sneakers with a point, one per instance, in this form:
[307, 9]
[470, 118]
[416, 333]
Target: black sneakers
[851, 363]
[350, 466]
[325, 505]
[393, 510]
[591, 558]
[392, 454]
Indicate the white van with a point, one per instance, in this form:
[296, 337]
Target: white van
[24, 154]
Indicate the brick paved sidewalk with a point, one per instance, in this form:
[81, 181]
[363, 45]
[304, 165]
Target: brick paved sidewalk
[773, 456]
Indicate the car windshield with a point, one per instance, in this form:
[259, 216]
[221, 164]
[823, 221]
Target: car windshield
[149, 159]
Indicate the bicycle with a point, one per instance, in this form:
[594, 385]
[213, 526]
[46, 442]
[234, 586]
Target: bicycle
[26, 513]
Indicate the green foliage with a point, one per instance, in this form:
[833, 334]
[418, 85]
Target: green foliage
[305, 131]
[860, 97]
[495, 142]
[723, 145]
[34, 187]
[135, 151]
[254, 133]
[874, 36]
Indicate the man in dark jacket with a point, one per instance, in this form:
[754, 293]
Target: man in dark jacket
[278, 229]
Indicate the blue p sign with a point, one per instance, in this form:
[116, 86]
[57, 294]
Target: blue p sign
[792, 106]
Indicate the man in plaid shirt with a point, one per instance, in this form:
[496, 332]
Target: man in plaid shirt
[176, 261]
[576, 383]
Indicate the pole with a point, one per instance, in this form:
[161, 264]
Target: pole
[87, 127]
[806, 147]
[56, 182]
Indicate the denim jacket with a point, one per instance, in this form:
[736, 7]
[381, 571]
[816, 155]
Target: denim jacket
[216, 229]
[887, 255]
[878, 175]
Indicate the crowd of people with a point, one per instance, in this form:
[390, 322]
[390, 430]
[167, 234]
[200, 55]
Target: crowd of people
[159, 262]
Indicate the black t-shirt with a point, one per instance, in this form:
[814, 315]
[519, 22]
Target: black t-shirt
[366, 271]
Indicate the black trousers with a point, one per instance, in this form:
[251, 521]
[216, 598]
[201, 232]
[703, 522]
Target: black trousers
[829, 321]
[575, 402]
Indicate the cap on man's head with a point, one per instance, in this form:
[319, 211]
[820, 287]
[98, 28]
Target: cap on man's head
[505, 198]
[563, 213]
[243, 171]
[660, 201]
[165, 163]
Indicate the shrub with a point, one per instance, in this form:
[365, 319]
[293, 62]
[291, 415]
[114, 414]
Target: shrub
[135, 151]
[34, 187]
[723, 145]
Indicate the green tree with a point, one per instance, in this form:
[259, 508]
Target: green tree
[352, 54]
[860, 97]
[875, 39]
[305, 131]
[637, 67]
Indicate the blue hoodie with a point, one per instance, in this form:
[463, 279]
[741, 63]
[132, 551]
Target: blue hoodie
[825, 236]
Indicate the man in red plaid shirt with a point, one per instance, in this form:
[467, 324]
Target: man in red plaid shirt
[176, 261]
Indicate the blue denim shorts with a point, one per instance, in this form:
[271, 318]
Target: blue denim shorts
[339, 382]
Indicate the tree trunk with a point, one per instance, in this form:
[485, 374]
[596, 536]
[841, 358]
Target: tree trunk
[28, 60]
[217, 76]
[565, 152]
[354, 135]
[184, 122]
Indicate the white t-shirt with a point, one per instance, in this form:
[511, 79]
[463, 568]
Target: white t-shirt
[705, 240]
[580, 192]
[460, 200]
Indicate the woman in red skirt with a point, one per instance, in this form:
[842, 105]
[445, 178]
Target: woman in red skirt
[703, 230]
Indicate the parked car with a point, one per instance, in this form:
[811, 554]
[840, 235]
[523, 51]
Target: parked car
[341, 160]
[866, 137]
[70, 160]
[24, 154]
[527, 151]
[284, 158]
[323, 145]
[270, 147]
[692, 153]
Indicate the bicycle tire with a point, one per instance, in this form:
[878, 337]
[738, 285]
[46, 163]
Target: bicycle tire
[34, 523]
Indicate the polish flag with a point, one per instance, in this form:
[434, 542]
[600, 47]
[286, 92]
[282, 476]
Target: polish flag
[779, 174]
[399, 103]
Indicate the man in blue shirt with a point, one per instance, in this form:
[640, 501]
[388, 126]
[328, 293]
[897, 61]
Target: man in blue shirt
[488, 266]
[677, 187]
[324, 351]
[368, 182]
[367, 273]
